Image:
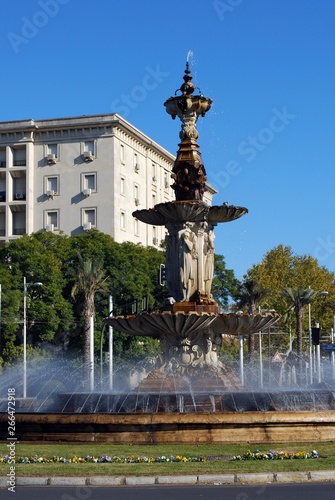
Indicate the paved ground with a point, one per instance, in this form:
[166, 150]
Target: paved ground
[263, 478]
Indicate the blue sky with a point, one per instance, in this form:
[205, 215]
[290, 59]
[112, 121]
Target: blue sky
[268, 141]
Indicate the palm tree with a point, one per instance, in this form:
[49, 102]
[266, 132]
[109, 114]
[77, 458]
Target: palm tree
[249, 296]
[298, 298]
[91, 278]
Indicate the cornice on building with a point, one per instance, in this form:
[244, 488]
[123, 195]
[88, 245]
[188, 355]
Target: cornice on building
[86, 121]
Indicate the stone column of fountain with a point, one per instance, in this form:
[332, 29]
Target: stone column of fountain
[189, 325]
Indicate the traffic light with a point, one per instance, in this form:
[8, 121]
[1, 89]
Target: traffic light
[145, 303]
[316, 336]
[162, 274]
[134, 307]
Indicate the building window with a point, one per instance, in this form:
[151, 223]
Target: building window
[19, 223]
[89, 181]
[136, 195]
[19, 157]
[19, 186]
[136, 232]
[89, 218]
[123, 220]
[51, 186]
[166, 180]
[122, 186]
[2, 157]
[52, 149]
[154, 235]
[89, 147]
[122, 157]
[51, 220]
[52, 153]
[89, 152]
[153, 172]
[136, 163]
[2, 223]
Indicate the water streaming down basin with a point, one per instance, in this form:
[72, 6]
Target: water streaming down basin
[56, 388]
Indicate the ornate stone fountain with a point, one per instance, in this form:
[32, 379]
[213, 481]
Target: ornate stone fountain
[189, 325]
[191, 397]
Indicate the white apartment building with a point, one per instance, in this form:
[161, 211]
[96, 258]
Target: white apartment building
[73, 174]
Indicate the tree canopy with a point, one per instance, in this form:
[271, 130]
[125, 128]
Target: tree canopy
[281, 269]
[54, 314]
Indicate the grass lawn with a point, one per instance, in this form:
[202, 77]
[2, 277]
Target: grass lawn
[218, 459]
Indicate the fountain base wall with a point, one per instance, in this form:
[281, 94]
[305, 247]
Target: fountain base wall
[160, 428]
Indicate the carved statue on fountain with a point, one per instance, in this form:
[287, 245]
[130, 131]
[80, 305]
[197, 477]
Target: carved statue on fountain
[190, 261]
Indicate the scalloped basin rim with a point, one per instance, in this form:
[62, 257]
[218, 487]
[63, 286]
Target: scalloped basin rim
[195, 313]
[189, 210]
[182, 322]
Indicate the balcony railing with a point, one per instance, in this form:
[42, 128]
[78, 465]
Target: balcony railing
[19, 163]
[2, 163]
[2, 232]
[19, 231]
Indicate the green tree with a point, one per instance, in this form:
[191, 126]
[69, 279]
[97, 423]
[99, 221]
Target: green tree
[249, 296]
[281, 269]
[224, 285]
[90, 279]
[298, 298]
[48, 312]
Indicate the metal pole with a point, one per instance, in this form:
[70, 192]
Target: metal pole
[110, 332]
[92, 353]
[310, 344]
[24, 337]
[241, 359]
[333, 353]
[269, 355]
[0, 322]
[318, 357]
[260, 359]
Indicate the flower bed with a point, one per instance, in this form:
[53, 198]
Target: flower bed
[103, 459]
[276, 455]
[249, 455]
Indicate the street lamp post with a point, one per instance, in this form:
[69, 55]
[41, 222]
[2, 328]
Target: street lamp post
[261, 375]
[241, 359]
[310, 343]
[0, 320]
[333, 353]
[260, 361]
[25, 287]
[110, 344]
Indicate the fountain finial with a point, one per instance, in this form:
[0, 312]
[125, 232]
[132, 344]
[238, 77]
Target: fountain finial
[188, 171]
[187, 87]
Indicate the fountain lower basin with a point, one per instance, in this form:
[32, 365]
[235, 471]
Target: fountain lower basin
[176, 428]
